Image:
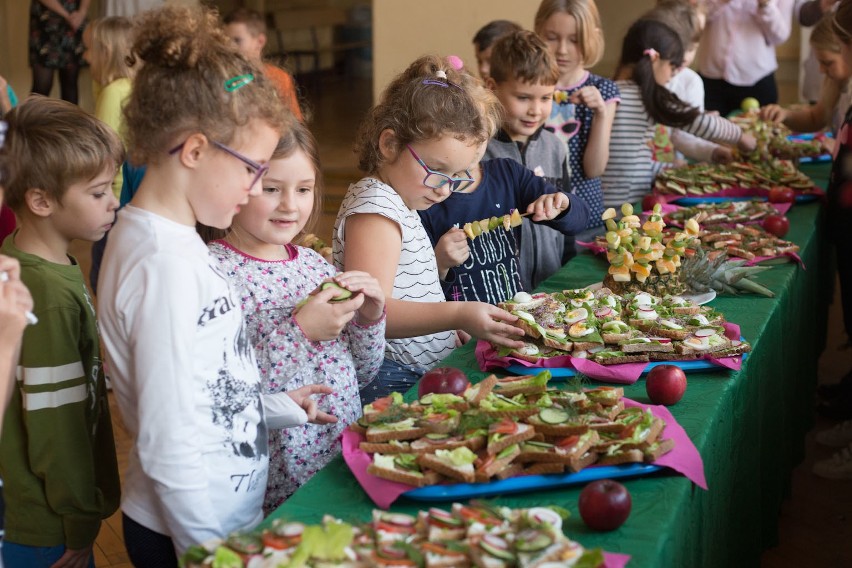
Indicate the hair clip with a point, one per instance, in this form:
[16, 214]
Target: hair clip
[652, 53]
[3, 128]
[441, 74]
[235, 83]
[455, 62]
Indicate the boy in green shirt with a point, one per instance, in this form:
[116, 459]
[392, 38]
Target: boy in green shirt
[57, 454]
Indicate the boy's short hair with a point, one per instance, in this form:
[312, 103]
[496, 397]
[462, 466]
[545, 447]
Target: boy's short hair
[492, 31]
[523, 56]
[254, 21]
[55, 144]
[680, 16]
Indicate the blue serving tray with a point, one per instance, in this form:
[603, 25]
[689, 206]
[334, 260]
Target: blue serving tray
[817, 159]
[696, 200]
[527, 483]
[566, 372]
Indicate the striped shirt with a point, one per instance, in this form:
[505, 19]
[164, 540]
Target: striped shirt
[416, 274]
[631, 168]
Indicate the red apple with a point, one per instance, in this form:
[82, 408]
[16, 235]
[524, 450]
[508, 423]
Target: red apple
[665, 384]
[778, 225]
[781, 194]
[652, 199]
[604, 504]
[443, 380]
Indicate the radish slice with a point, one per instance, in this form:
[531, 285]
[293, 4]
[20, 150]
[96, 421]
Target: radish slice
[603, 312]
[441, 514]
[661, 339]
[646, 308]
[292, 530]
[496, 541]
[705, 332]
[400, 520]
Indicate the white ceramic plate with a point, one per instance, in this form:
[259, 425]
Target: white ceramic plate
[699, 299]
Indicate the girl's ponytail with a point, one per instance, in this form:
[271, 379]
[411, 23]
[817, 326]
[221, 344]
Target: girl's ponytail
[645, 42]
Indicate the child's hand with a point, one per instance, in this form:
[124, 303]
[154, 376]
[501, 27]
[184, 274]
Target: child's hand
[15, 302]
[490, 323]
[373, 307]
[302, 397]
[747, 143]
[74, 558]
[451, 250]
[774, 113]
[323, 320]
[462, 337]
[548, 206]
[591, 97]
[722, 155]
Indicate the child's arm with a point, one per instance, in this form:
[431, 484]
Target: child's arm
[811, 118]
[596, 153]
[537, 196]
[773, 19]
[366, 332]
[698, 148]
[373, 245]
[294, 408]
[15, 301]
[720, 130]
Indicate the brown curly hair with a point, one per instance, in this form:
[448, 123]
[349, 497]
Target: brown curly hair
[420, 105]
[52, 145]
[180, 89]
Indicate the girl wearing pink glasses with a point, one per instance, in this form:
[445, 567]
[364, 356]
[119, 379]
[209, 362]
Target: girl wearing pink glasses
[417, 146]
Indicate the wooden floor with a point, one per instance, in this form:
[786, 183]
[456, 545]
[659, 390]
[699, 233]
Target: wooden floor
[815, 525]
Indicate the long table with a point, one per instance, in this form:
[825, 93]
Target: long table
[749, 427]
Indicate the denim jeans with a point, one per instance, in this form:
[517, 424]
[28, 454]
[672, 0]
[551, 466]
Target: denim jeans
[392, 377]
[23, 556]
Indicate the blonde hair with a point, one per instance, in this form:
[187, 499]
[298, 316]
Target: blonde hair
[428, 99]
[823, 36]
[111, 49]
[682, 17]
[523, 56]
[585, 13]
[193, 80]
[54, 144]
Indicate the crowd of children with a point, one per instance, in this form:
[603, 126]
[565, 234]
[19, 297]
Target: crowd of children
[236, 356]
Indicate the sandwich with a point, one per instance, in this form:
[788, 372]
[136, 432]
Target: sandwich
[405, 429]
[456, 464]
[391, 447]
[388, 404]
[440, 556]
[526, 384]
[489, 465]
[474, 394]
[491, 551]
[402, 468]
[646, 345]
[704, 340]
[436, 421]
[506, 433]
[442, 525]
[616, 357]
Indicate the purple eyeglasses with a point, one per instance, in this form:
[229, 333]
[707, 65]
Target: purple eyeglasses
[437, 180]
[257, 170]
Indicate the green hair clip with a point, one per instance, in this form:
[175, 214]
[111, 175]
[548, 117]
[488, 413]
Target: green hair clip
[235, 83]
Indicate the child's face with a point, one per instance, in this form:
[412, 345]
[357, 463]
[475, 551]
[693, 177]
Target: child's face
[527, 106]
[483, 61]
[447, 155]
[832, 65]
[560, 34]
[87, 210]
[224, 178]
[279, 213]
[251, 46]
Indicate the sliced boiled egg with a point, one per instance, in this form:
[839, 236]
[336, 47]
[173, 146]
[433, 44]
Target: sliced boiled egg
[580, 329]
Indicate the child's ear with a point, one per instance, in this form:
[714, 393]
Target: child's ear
[39, 202]
[261, 40]
[388, 145]
[193, 149]
[490, 84]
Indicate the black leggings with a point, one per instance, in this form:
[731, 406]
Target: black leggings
[43, 82]
[146, 548]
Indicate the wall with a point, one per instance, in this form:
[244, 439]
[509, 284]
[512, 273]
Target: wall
[406, 29]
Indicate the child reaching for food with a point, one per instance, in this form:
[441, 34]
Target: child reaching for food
[584, 103]
[204, 121]
[416, 146]
[650, 54]
[309, 324]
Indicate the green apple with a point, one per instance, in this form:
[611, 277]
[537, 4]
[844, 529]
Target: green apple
[750, 103]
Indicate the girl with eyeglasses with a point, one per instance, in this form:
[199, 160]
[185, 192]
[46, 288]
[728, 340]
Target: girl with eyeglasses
[650, 54]
[416, 146]
[584, 103]
[303, 332]
[205, 122]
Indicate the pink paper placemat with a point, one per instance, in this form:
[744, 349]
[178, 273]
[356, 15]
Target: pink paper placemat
[684, 459]
[615, 560]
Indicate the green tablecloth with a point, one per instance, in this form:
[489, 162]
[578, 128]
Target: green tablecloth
[749, 427]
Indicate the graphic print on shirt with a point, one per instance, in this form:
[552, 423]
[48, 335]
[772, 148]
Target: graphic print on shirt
[490, 274]
[563, 121]
[231, 400]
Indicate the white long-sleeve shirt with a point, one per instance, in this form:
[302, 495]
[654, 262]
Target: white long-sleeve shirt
[739, 40]
[186, 382]
[631, 169]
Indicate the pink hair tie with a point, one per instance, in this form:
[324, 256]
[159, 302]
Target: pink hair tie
[455, 62]
[652, 53]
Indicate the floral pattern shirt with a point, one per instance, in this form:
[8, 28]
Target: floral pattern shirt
[268, 291]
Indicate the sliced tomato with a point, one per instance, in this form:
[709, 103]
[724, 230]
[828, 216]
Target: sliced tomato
[379, 561]
[505, 426]
[272, 540]
[387, 527]
[438, 549]
[568, 441]
[482, 463]
[627, 432]
[382, 404]
[438, 417]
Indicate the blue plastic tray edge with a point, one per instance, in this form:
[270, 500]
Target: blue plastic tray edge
[807, 198]
[528, 482]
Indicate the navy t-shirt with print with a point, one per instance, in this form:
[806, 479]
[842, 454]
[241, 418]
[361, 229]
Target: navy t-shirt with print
[572, 124]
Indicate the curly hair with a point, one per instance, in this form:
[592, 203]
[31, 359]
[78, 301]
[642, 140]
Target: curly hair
[181, 87]
[52, 145]
[428, 99]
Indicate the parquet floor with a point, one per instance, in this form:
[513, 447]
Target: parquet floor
[815, 524]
